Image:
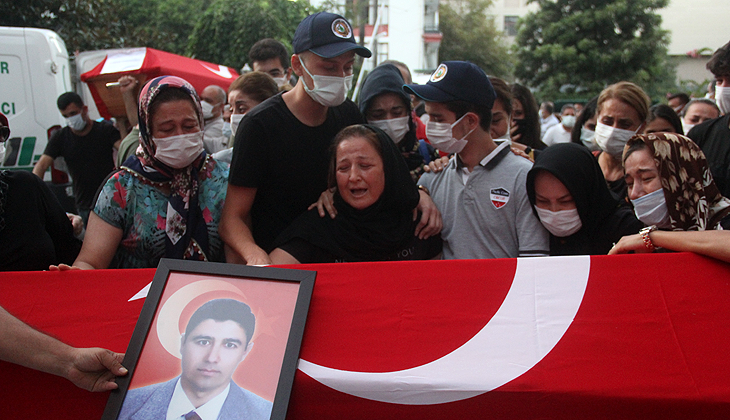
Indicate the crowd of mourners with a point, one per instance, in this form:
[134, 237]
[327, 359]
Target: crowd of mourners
[282, 168]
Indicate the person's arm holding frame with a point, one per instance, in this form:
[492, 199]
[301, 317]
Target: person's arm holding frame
[93, 369]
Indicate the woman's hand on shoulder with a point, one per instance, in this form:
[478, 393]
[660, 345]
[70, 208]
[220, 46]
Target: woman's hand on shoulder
[325, 203]
[437, 165]
[431, 222]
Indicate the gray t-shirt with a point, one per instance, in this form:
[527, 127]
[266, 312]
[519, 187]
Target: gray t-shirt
[490, 215]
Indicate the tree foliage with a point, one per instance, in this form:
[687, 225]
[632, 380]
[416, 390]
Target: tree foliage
[221, 31]
[469, 34]
[228, 28]
[574, 48]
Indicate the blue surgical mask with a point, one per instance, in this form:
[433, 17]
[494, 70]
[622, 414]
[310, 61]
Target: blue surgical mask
[651, 209]
[588, 138]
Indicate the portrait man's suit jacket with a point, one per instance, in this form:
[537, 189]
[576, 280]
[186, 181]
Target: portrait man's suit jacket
[150, 403]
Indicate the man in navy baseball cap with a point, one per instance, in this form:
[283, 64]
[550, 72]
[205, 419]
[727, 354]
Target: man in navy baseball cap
[327, 35]
[456, 81]
[281, 147]
[481, 192]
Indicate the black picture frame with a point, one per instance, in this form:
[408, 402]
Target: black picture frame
[226, 272]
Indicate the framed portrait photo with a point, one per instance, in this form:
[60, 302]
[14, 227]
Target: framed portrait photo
[214, 341]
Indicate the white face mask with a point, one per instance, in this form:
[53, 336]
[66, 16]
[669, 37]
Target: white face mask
[281, 81]
[722, 98]
[441, 136]
[686, 127]
[235, 121]
[395, 128]
[179, 151]
[651, 209]
[328, 90]
[76, 122]
[207, 109]
[588, 138]
[226, 129]
[611, 139]
[568, 121]
[560, 223]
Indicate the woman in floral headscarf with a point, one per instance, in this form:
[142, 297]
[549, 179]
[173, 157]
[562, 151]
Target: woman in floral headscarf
[166, 201]
[673, 193]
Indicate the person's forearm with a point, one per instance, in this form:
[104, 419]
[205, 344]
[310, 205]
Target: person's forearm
[237, 235]
[130, 106]
[25, 346]
[712, 243]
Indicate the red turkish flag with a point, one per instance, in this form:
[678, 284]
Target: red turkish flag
[649, 340]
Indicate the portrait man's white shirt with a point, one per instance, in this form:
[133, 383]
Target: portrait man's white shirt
[180, 405]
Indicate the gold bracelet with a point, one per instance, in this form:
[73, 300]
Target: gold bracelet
[646, 238]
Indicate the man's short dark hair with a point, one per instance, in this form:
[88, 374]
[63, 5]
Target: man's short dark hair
[681, 96]
[221, 310]
[460, 108]
[69, 98]
[567, 106]
[549, 107]
[719, 63]
[269, 48]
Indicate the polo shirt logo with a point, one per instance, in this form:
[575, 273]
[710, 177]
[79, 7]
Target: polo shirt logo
[499, 197]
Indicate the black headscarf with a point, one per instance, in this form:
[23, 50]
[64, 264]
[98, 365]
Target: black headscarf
[386, 78]
[604, 221]
[370, 234]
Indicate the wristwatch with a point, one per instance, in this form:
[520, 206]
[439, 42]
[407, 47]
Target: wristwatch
[646, 238]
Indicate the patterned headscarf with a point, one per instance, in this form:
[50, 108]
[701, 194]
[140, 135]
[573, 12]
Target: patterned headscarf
[693, 200]
[187, 234]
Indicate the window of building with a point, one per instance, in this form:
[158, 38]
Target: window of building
[510, 25]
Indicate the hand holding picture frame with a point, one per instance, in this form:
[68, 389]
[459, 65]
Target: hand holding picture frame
[217, 340]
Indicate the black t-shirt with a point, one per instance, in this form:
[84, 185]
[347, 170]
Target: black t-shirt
[416, 249]
[713, 137]
[286, 161]
[37, 232]
[89, 158]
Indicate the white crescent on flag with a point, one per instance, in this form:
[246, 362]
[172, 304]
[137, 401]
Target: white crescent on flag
[537, 311]
[221, 71]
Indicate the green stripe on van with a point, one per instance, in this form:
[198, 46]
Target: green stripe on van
[26, 151]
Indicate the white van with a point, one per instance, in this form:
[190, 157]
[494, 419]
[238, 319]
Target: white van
[34, 72]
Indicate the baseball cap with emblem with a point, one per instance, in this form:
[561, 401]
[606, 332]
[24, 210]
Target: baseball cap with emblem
[327, 35]
[456, 81]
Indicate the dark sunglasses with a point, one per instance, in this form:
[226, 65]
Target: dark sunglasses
[4, 133]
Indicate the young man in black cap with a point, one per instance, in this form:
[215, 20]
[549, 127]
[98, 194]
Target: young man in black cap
[481, 193]
[280, 161]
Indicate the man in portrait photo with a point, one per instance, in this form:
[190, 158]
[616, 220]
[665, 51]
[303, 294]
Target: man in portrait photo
[216, 339]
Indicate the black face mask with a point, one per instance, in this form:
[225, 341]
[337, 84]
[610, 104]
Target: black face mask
[520, 127]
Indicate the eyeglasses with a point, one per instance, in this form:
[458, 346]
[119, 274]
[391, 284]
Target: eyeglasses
[4, 133]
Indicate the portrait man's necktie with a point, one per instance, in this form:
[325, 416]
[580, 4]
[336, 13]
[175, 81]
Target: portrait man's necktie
[192, 416]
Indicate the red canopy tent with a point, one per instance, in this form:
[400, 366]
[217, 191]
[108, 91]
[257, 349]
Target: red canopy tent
[144, 64]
